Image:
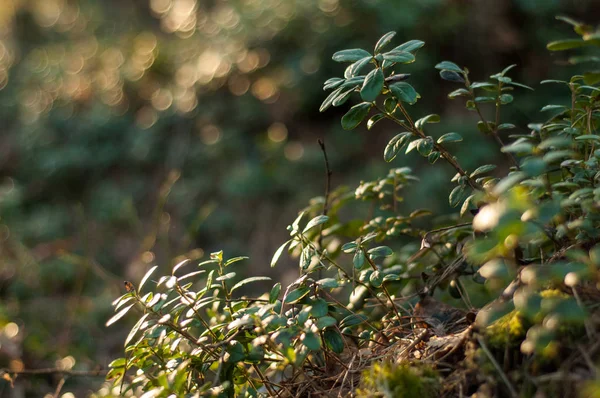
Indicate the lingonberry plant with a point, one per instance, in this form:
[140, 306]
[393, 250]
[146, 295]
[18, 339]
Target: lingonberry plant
[363, 319]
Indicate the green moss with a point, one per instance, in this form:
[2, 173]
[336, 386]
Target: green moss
[553, 293]
[399, 381]
[510, 329]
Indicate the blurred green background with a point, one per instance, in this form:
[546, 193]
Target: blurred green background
[141, 132]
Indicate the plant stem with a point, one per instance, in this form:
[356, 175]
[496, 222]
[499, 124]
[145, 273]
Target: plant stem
[492, 130]
[383, 287]
[443, 151]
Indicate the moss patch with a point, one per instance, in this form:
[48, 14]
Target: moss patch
[401, 381]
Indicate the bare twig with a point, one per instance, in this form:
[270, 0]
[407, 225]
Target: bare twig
[511, 389]
[327, 189]
[57, 371]
[59, 387]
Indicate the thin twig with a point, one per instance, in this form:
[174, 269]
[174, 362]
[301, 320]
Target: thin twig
[328, 174]
[438, 147]
[383, 287]
[511, 389]
[58, 371]
[59, 387]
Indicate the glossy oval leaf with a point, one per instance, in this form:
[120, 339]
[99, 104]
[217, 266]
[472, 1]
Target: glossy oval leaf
[384, 41]
[333, 340]
[372, 85]
[145, 278]
[351, 55]
[404, 92]
[450, 137]
[278, 253]
[380, 251]
[119, 315]
[296, 295]
[401, 57]
[318, 220]
[410, 46]
[355, 115]
[451, 76]
[447, 65]
[433, 118]
[482, 170]
[249, 280]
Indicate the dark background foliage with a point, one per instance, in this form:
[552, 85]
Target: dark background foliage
[136, 133]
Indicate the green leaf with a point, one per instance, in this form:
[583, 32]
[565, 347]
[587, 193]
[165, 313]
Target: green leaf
[384, 41]
[119, 315]
[588, 137]
[136, 328]
[433, 157]
[372, 86]
[311, 341]
[333, 83]
[555, 142]
[483, 100]
[424, 146]
[296, 295]
[395, 145]
[355, 115]
[351, 55]
[352, 320]
[374, 119]
[456, 196]
[466, 204]
[506, 126]
[145, 278]
[376, 279]
[235, 352]
[482, 170]
[359, 259]
[568, 44]
[517, 147]
[410, 46]
[460, 92]
[447, 65]
[506, 98]
[329, 100]
[226, 277]
[508, 182]
[274, 294]
[591, 77]
[349, 247]
[355, 68]
[404, 92]
[390, 104]
[433, 118]
[343, 97]
[413, 145]
[380, 251]
[451, 76]
[325, 322]
[249, 280]
[521, 85]
[235, 260]
[319, 308]
[484, 85]
[450, 137]
[329, 283]
[353, 82]
[333, 340]
[318, 220]
[402, 57]
[278, 253]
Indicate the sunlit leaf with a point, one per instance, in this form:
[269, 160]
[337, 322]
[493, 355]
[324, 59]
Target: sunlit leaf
[249, 280]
